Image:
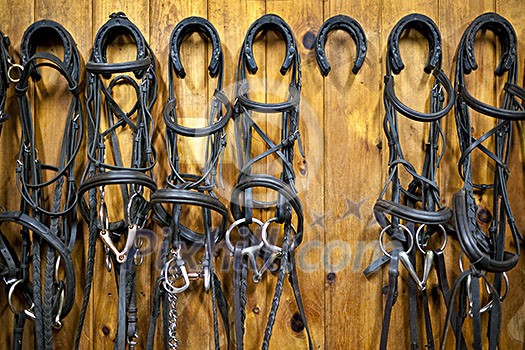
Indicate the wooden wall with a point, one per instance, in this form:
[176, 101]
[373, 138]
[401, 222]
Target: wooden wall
[339, 180]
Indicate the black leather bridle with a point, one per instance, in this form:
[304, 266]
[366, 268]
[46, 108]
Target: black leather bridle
[414, 214]
[48, 206]
[185, 189]
[9, 73]
[132, 177]
[247, 250]
[485, 250]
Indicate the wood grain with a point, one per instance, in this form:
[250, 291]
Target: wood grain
[304, 18]
[514, 306]
[353, 135]
[338, 181]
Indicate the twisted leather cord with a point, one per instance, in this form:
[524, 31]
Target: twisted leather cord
[106, 119]
[50, 297]
[242, 202]
[418, 203]
[485, 250]
[191, 189]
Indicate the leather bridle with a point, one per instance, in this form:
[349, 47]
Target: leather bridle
[132, 178]
[413, 215]
[186, 189]
[50, 216]
[247, 250]
[7, 75]
[485, 250]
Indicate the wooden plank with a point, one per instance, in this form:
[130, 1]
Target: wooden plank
[412, 87]
[340, 240]
[232, 20]
[514, 306]
[304, 18]
[13, 27]
[105, 298]
[353, 169]
[194, 306]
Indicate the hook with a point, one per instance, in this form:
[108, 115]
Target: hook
[349, 25]
[428, 28]
[270, 21]
[185, 28]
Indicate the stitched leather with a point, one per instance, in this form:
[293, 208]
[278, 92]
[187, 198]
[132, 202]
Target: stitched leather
[416, 205]
[485, 251]
[247, 251]
[52, 299]
[186, 189]
[131, 177]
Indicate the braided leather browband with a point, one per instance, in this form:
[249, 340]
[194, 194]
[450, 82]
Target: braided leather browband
[485, 250]
[185, 189]
[247, 251]
[418, 204]
[48, 207]
[107, 122]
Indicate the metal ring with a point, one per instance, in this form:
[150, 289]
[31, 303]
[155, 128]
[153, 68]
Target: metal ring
[57, 268]
[488, 287]
[507, 285]
[138, 258]
[19, 67]
[57, 324]
[382, 247]
[10, 295]
[264, 235]
[207, 278]
[130, 203]
[235, 224]
[460, 261]
[419, 231]
[10, 299]
[104, 219]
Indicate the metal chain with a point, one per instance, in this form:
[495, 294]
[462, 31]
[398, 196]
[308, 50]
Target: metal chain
[173, 343]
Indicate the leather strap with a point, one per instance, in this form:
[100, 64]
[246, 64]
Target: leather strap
[191, 190]
[486, 250]
[131, 177]
[414, 213]
[247, 251]
[55, 215]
